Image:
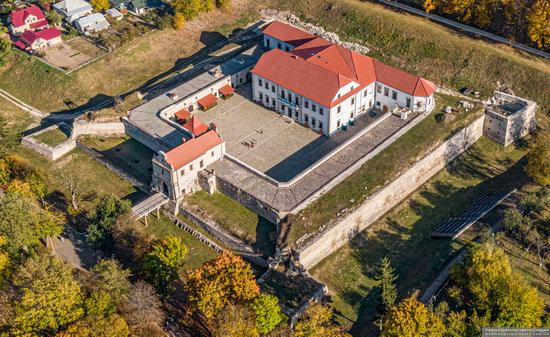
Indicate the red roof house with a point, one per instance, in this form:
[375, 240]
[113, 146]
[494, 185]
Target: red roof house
[29, 18]
[33, 41]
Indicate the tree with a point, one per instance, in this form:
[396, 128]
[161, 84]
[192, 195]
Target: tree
[107, 212]
[430, 5]
[162, 263]
[209, 5]
[5, 53]
[142, 309]
[388, 291]
[223, 4]
[226, 278]
[410, 318]
[497, 294]
[54, 18]
[9, 138]
[268, 313]
[538, 160]
[456, 324]
[188, 8]
[234, 321]
[100, 5]
[112, 326]
[113, 279]
[99, 304]
[51, 297]
[316, 321]
[25, 223]
[74, 178]
[538, 24]
[178, 21]
[4, 260]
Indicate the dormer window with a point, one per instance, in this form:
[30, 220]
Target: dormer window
[351, 88]
[339, 95]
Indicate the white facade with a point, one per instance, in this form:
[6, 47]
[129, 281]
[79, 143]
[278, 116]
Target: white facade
[176, 183]
[309, 112]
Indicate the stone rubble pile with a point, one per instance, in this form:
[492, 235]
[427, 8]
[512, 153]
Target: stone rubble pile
[315, 30]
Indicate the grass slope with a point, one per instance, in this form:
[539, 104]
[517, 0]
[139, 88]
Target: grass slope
[403, 233]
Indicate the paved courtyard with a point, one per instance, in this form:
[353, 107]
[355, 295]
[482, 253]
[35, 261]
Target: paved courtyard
[281, 148]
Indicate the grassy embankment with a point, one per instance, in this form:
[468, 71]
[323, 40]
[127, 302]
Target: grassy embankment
[403, 233]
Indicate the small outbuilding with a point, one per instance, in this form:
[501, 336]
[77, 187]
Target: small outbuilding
[92, 23]
[142, 6]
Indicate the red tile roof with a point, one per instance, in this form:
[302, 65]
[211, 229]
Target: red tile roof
[287, 33]
[29, 37]
[17, 18]
[182, 114]
[226, 90]
[193, 149]
[195, 126]
[317, 69]
[403, 81]
[207, 101]
[39, 24]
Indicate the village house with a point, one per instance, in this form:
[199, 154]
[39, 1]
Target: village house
[92, 23]
[175, 173]
[30, 18]
[72, 10]
[142, 6]
[34, 41]
[325, 86]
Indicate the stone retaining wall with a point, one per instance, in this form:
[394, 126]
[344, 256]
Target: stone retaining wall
[377, 205]
[99, 129]
[50, 152]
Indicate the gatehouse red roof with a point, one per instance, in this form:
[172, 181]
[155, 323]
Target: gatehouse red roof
[287, 33]
[193, 149]
[182, 114]
[17, 18]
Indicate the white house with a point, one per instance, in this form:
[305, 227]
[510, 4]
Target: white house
[73, 9]
[175, 173]
[33, 41]
[30, 18]
[325, 86]
[92, 23]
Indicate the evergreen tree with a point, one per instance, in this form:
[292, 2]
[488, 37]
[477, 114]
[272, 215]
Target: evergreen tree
[388, 291]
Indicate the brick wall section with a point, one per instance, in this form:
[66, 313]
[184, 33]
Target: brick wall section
[384, 200]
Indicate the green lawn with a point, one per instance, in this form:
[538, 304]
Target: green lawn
[162, 227]
[53, 137]
[378, 171]
[403, 233]
[126, 153]
[235, 218]
[97, 179]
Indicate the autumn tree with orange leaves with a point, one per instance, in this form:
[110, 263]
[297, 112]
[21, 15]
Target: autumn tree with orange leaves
[216, 283]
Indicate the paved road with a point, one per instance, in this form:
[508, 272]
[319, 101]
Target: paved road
[466, 28]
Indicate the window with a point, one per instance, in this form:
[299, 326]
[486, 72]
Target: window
[351, 88]
[286, 48]
[365, 93]
[338, 109]
[191, 167]
[273, 101]
[419, 104]
[241, 80]
[313, 121]
[282, 93]
[212, 153]
[260, 82]
[306, 104]
[313, 107]
[266, 85]
[339, 95]
[379, 89]
[408, 102]
[279, 45]
[321, 112]
[306, 118]
[295, 113]
[182, 172]
[272, 88]
[352, 100]
[261, 97]
[338, 123]
[296, 100]
[377, 103]
[289, 97]
[386, 92]
[202, 163]
[320, 125]
[370, 103]
[266, 100]
[394, 94]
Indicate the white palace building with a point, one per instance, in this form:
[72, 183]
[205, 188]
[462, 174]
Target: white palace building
[324, 85]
